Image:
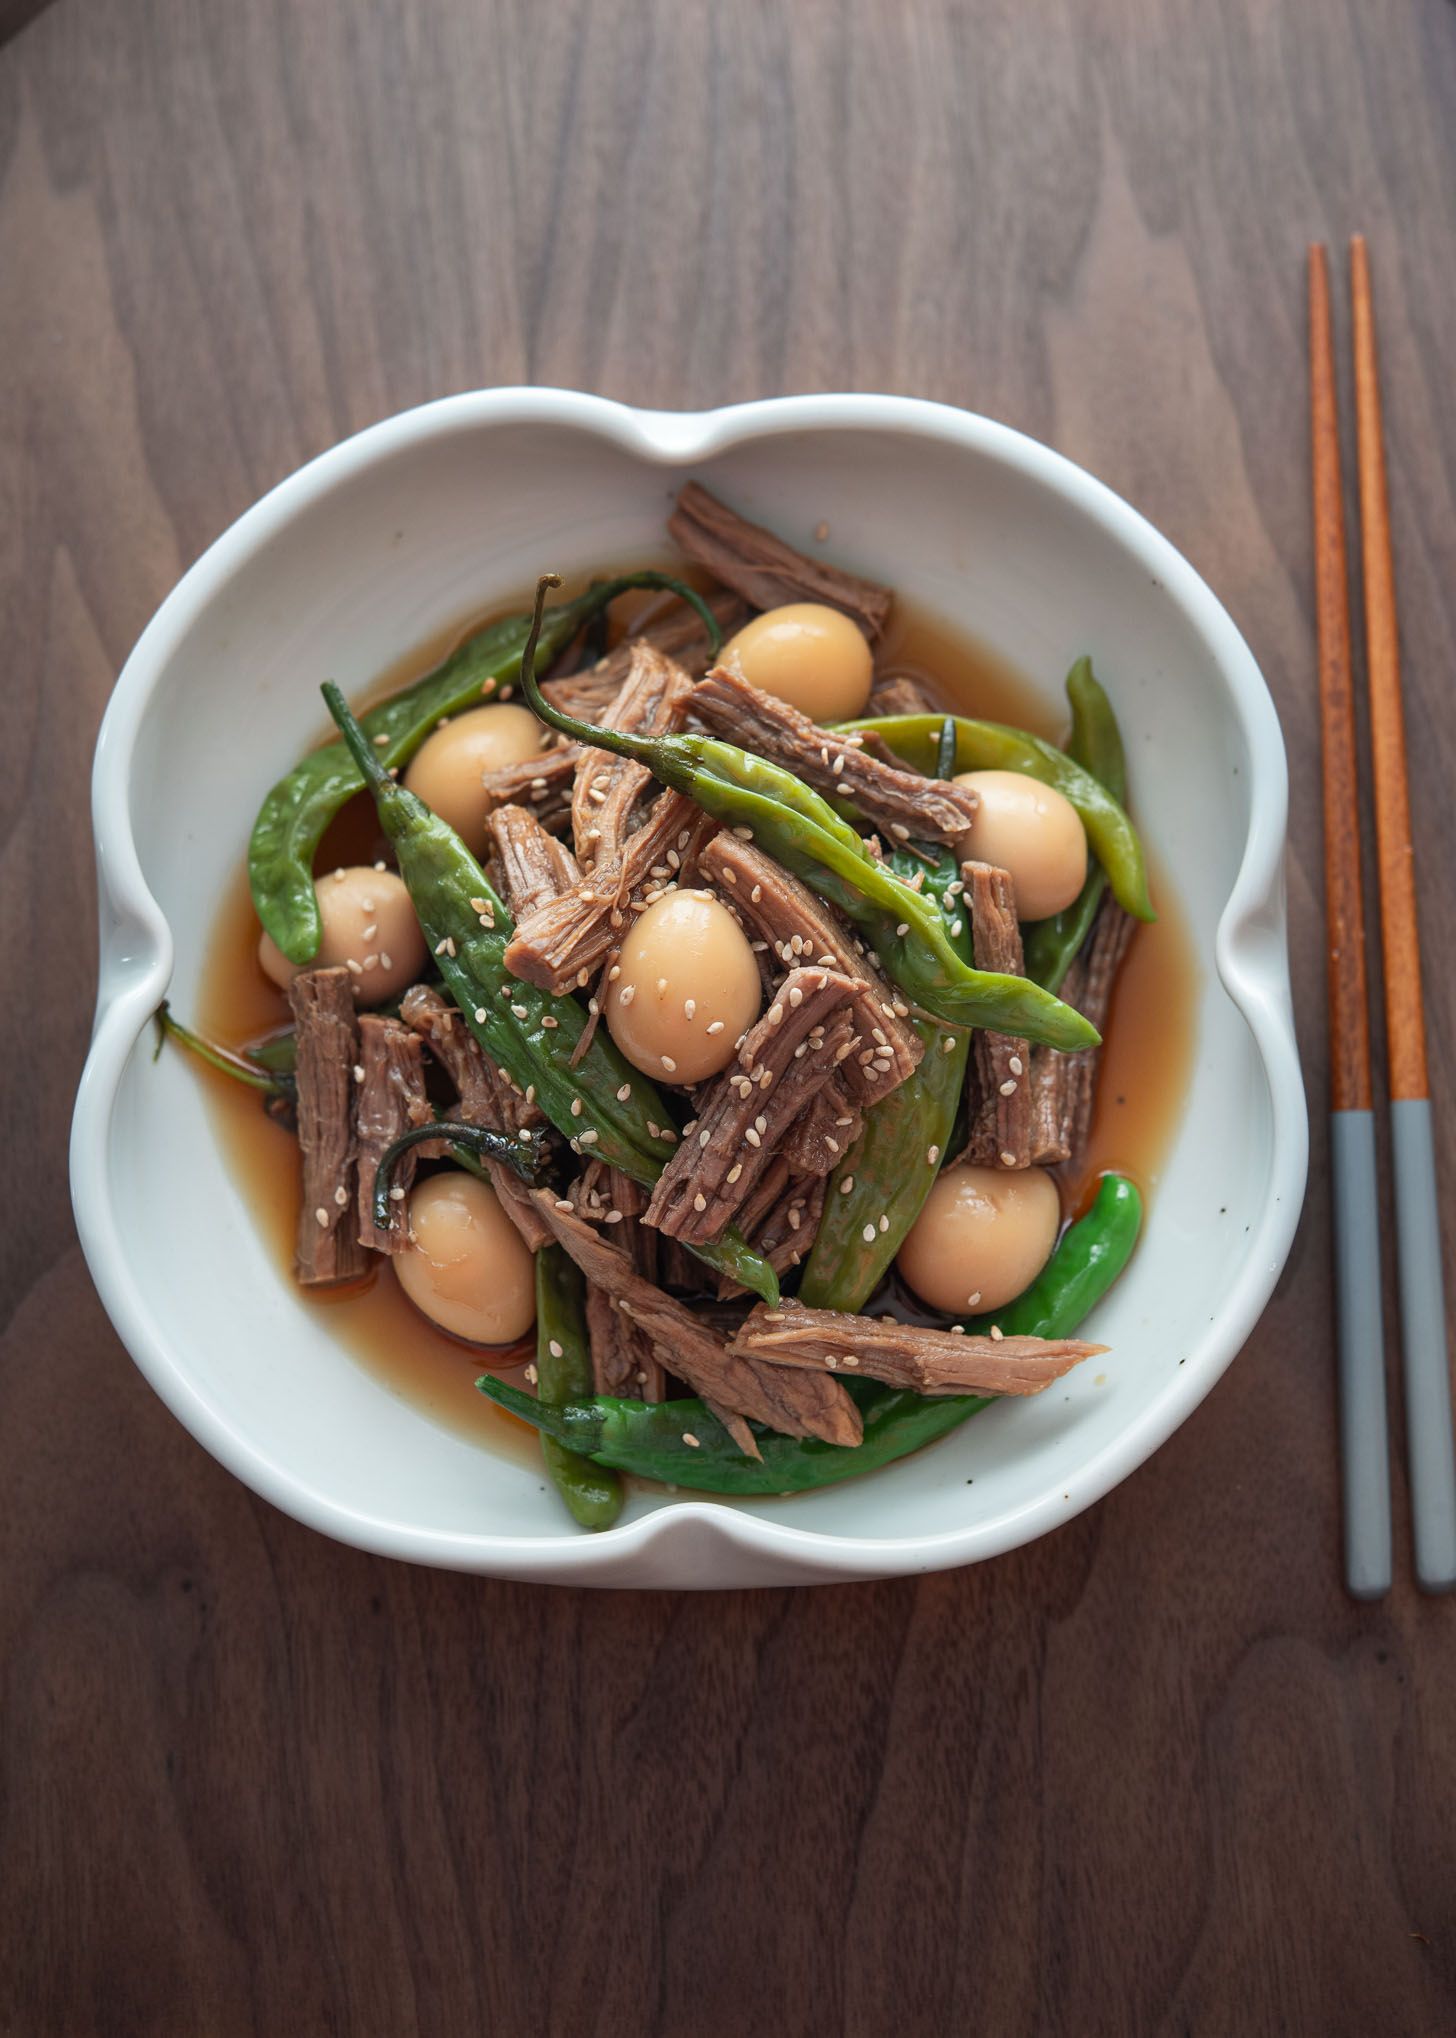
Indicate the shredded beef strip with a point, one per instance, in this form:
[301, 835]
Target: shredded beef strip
[765, 570]
[326, 1248]
[1064, 1086]
[898, 802]
[694, 1351]
[562, 945]
[651, 701]
[542, 785]
[824, 1131]
[786, 1057]
[1000, 1123]
[677, 633]
[906, 1354]
[623, 1360]
[487, 1097]
[785, 1230]
[390, 1080]
[535, 866]
[800, 927]
[898, 694]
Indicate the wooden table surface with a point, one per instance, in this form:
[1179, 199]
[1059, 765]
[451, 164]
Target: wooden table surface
[1154, 1773]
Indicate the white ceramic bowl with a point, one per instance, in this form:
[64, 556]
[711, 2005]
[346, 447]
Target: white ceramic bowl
[361, 557]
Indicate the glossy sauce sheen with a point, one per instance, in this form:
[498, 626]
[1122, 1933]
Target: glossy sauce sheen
[1145, 1065]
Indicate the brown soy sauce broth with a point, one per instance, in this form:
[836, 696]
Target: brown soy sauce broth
[1145, 1062]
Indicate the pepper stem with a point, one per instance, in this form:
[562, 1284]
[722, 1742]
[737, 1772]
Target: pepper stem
[271, 1082]
[478, 1141]
[620, 744]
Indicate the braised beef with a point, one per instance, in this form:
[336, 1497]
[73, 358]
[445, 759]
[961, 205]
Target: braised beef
[562, 946]
[787, 1055]
[929, 1362]
[765, 570]
[535, 866]
[799, 928]
[326, 1247]
[902, 804]
[1064, 1086]
[1000, 1123]
[390, 1083]
[692, 1350]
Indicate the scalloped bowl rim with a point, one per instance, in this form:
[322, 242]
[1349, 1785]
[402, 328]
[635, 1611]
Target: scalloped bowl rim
[137, 958]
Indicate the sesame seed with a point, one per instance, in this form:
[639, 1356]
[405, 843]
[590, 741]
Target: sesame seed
[589, 1138]
[838, 764]
[380, 864]
[752, 1137]
[775, 1015]
[381, 742]
[576, 1107]
[548, 1022]
[530, 1093]
[1008, 1089]
[957, 1330]
[563, 1204]
[366, 905]
[884, 1224]
[947, 1046]
[716, 1027]
[900, 831]
[700, 1202]
[321, 1218]
[690, 1006]
[341, 1195]
[674, 860]
[832, 1144]
[1008, 1160]
[555, 1349]
[689, 1438]
[957, 926]
[358, 1072]
[385, 961]
[744, 834]
[868, 1234]
[371, 962]
[396, 1194]
[531, 1374]
[624, 1093]
[339, 875]
[520, 1012]
[830, 1361]
[1016, 1065]
[450, 944]
[849, 1359]
[370, 931]
[627, 994]
[440, 944]
[524, 1136]
[583, 978]
[765, 1081]
[613, 1217]
[932, 1155]
[903, 929]
[669, 1064]
[997, 1332]
[846, 1185]
[735, 1171]
[506, 692]
[704, 1136]
[972, 1301]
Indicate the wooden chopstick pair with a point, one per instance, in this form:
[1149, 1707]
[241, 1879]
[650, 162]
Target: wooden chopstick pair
[1363, 1441]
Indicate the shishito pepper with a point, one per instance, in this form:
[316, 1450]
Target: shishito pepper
[651, 1440]
[1052, 945]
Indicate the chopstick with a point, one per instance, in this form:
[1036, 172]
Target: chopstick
[1364, 1456]
[1429, 1447]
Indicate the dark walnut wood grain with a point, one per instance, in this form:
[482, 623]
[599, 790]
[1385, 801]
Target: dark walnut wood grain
[1154, 1773]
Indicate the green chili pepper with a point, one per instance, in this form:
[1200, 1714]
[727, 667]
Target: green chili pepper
[651, 1441]
[892, 1165]
[992, 746]
[296, 812]
[273, 1082]
[593, 1493]
[803, 833]
[622, 1120]
[1051, 946]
